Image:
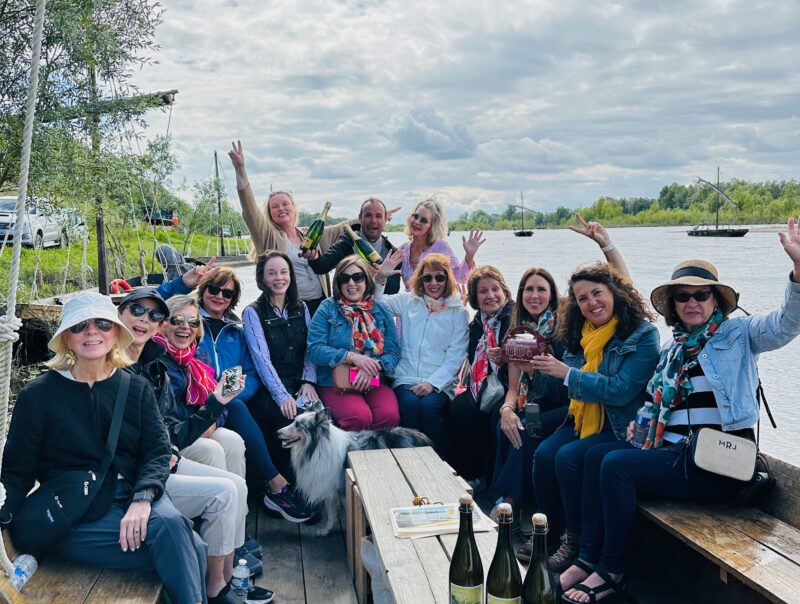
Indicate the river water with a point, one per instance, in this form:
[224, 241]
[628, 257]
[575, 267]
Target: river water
[755, 266]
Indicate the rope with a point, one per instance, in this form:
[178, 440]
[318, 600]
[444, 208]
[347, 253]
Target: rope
[10, 323]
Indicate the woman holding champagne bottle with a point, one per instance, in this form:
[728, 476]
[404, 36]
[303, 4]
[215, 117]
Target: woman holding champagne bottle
[276, 229]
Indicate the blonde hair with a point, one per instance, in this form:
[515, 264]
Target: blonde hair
[116, 357]
[438, 228]
[253, 254]
[437, 262]
[177, 302]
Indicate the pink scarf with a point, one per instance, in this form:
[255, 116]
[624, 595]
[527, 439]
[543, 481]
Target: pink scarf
[199, 376]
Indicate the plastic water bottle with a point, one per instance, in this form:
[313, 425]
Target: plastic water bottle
[642, 425]
[241, 579]
[24, 567]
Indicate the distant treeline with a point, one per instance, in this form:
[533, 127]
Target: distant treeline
[761, 202]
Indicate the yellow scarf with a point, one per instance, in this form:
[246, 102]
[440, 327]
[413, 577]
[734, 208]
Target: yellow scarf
[589, 416]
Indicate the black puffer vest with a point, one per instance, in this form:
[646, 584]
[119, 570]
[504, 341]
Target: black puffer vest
[286, 339]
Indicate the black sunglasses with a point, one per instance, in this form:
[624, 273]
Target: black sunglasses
[429, 278]
[101, 324]
[419, 219]
[138, 310]
[226, 293]
[358, 277]
[179, 320]
[684, 297]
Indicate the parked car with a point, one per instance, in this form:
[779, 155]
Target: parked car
[43, 225]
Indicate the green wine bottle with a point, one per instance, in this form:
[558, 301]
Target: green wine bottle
[466, 569]
[314, 232]
[504, 582]
[539, 586]
[363, 248]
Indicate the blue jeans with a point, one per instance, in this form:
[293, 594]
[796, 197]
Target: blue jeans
[558, 473]
[618, 476]
[425, 413]
[171, 547]
[241, 421]
[513, 468]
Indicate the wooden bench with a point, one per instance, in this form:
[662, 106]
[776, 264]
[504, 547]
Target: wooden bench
[760, 548]
[62, 582]
[417, 569]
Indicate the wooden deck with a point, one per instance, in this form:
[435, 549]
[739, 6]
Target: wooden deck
[299, 567]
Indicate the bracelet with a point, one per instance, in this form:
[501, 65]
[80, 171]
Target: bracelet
[607, 248]
[506, 405]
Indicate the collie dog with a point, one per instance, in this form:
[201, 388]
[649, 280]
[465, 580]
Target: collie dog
[319, 452]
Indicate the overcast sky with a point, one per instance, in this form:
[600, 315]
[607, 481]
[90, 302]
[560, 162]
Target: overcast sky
[473, 101]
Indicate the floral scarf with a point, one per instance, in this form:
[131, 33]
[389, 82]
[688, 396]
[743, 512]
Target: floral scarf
[199, 376]
[433, 304]
[589, 416]
[481, 363]
[367, 338]
[671, 384]
[545, 326]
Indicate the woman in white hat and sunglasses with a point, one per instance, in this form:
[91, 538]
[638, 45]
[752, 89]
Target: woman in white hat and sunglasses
[707, 376]
[62, 421]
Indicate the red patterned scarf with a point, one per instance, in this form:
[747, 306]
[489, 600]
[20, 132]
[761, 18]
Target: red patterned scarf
[481, 362]
[199, 376]
[367, 338]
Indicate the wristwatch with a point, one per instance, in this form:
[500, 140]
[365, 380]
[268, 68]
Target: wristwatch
[144, 495]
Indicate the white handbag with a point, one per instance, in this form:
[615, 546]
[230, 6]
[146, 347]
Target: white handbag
[724, 454]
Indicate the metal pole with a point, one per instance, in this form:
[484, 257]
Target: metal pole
[219, 206]
[719, 202]
[100, 225]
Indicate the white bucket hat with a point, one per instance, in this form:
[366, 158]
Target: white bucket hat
[82, 307]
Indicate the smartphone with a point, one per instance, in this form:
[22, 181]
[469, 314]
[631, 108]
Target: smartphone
[374, 382]
[533, 420]
[231, 380]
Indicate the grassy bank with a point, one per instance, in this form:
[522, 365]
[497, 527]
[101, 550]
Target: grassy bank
[53, 271]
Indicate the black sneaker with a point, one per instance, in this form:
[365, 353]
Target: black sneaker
[252, 545]
[255, 565]
[287, 503]
[258, 595]
[225, 596]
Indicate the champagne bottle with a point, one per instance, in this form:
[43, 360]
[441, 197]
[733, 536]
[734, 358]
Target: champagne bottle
[314, 232]
[504, 583]
[363, 248]
[539, 587]
[466, 569]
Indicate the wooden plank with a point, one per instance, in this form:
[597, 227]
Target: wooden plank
[360, 529]
[761, 527]
[9, 595]
[325, 571]
[125, 587]
[283, 561]
[382, 486]
[761, 568]
[349, 526]
[785, 500]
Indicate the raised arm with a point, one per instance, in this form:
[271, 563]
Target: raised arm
[598, 233]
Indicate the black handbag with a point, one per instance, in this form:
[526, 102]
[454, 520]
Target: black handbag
[59, 504]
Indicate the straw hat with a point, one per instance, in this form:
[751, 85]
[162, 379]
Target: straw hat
[84, 306]
[692, 272]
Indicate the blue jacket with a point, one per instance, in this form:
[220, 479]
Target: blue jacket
[228, 350]
[729, 359]
[173, 288]
[620, 381]
[330, 338]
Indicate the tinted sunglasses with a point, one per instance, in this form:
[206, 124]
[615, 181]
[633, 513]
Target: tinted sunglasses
[359, 277]
[429, 278]
[419, 219]
[226, 293]
[684, 297]
[139, 310]
[179, 320]
[101, 324]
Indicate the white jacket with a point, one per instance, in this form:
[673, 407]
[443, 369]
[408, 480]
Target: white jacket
[432, 345]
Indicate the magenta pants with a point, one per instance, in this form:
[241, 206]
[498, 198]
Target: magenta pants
[357, 411]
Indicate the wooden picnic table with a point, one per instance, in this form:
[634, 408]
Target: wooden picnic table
[417, 569]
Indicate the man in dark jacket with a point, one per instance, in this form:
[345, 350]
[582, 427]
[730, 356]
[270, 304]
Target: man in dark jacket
[372, 219]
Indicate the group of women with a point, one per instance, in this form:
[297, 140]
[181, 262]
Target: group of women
[378, 360]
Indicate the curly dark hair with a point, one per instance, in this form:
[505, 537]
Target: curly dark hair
[292, 295]
[520, 315]
[629, 305]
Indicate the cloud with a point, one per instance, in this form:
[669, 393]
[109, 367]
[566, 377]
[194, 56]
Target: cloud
[473, 101]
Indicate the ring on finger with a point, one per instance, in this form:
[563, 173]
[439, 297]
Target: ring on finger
[137, 531]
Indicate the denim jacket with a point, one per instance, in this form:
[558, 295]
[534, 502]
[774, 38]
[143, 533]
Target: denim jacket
[729, 359]
[620, 381]
[330, 338]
